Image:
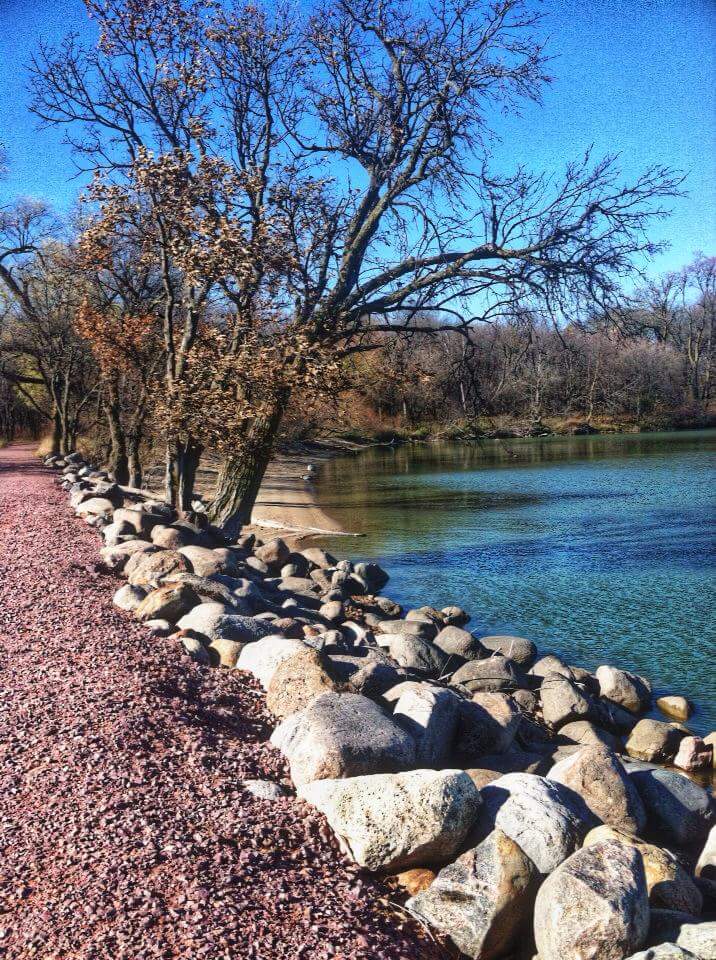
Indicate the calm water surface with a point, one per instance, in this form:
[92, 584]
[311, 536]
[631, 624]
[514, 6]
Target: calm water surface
[601, 549]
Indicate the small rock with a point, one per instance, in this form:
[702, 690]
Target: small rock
[416, 880]
[264, 789]
[170, 602]
[678, 708]
[262, 658]
[694, 754]
[196, 650]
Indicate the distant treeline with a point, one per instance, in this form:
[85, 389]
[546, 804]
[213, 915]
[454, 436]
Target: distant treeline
[651, 363]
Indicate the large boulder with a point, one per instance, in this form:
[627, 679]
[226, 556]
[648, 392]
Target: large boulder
[669, 885]
[96, 507]
[373, 574]
[412, 653]
[518, 649]
[129, 597]
[342, 735]
[563, 701]
[597, 775]
[549, 663]
[116, 558]
[203, 618]
[627, 690]
[207, 563]
[274, 553]
[262, 658]
[422, 629]
[141, 521]
[401, 820]
[694, 754]
[241, 629]
[172, 537]
[319, 558]
[457, 643]
[374, 678]
[493, 675]
[677, 809]
[674, 707]
[546, 819]
[706, 866]
[297, 681]
[586, 733]
[483, 901]
[487, 724]
[429, 714]
[654, 741]
[151, 568]
[595, 906]
[169, 602]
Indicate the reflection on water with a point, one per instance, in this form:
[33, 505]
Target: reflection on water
[599, 548]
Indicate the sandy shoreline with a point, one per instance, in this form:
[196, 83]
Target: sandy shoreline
[288, 503]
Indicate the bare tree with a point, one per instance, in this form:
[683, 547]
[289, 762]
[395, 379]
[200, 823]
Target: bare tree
[356, 145]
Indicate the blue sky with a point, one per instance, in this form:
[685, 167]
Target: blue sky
[637, 77]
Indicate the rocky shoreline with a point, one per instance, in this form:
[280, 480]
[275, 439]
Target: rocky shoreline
[520, 801]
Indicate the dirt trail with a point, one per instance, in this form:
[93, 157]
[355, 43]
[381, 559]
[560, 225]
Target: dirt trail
[124, 832]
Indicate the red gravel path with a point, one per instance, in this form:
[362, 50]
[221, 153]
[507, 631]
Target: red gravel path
[123, 833]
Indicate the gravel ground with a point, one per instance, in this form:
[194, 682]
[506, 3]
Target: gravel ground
[124, 832]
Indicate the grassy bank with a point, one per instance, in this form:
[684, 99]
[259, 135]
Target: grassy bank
[504, 426]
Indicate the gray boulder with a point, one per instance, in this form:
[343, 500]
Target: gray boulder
[412, 653]
[342, 735]
[595, 905]
[547, 820]
[676, 808]
[586, 733]
[549, 663]
[203, 618]
[487, 724]
[262, 658]
[483, 901]
[116, 558]
[422, 629]
[518, 649]
[596, 774]
[493, 675]
[429, 714]
[397, 821]
[563, 701]
[373, 574]
[459, 643]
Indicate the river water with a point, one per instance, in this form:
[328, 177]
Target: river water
[601, 549]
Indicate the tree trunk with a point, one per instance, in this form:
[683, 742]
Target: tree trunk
[240, 477]
[118, 460]
[56, 431]
[134, 462]
[181, 466]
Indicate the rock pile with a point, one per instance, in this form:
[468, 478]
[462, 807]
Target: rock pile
[522, 790]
